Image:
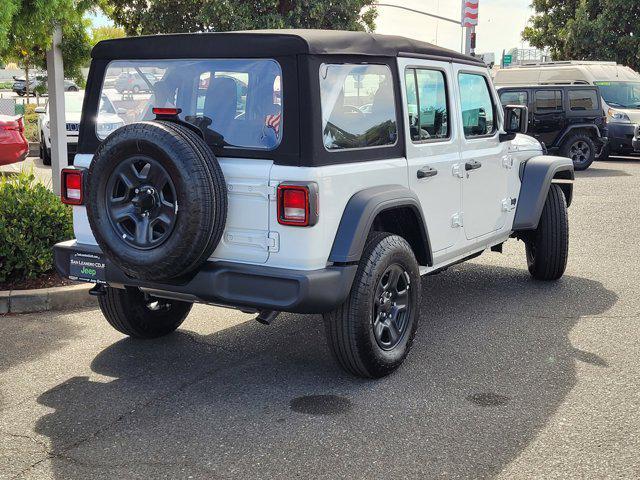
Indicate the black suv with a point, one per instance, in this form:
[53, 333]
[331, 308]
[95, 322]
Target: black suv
[568, 119]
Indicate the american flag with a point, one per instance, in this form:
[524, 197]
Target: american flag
[470, 13]
[273, 121]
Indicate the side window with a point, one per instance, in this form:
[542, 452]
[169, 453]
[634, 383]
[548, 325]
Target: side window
[514, 98]
[583, 100]
[427, 104]
[358, 106]
[548, 101]
[478, 112]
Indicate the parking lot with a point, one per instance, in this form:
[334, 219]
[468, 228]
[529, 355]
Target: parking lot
[508, 378]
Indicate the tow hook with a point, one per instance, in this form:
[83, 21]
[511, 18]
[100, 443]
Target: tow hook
[265, 317]
[98, 290]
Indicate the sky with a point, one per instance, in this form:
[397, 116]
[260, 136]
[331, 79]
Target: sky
[500, 23]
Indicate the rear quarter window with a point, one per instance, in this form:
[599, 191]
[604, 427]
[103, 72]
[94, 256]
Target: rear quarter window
[358, 106]
[583, 100]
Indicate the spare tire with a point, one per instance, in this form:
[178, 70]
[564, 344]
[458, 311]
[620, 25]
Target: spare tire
[156, 200]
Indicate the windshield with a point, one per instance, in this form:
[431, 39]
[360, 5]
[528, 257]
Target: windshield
[620, 94]
[235, 102]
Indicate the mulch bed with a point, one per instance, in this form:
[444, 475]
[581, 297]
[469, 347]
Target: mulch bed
[43, 281]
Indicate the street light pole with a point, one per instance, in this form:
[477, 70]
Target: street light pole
[457, 22]
[57, 123]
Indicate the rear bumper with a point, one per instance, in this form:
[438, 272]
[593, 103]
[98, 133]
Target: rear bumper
[252, 287]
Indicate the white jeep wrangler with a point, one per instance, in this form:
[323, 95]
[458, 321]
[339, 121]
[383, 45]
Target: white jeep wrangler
[302, 171]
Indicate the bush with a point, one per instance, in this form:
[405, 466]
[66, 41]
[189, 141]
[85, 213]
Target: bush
[30, 118]
[32, 220]
[6, 85]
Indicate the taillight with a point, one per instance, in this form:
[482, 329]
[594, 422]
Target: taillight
[298, 204]
[14, 125]
[71, 192]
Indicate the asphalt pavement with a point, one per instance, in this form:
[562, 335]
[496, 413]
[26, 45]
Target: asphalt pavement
[508, 378]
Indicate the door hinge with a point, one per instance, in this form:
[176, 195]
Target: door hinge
[508, 204]
[458, 170]
[268, 191]
[457, 220]
[507, 161]
[266, 241]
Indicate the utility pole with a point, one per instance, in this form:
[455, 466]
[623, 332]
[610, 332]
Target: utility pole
[55, 82]
[469, 22]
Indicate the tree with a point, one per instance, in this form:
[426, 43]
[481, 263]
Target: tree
[105, 33]
[587, 30]
[140, 17]
[27, 35]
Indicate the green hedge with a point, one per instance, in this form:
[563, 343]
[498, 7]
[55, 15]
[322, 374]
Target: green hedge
[32, 220]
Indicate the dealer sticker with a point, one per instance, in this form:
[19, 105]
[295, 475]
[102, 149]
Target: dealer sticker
[87, 267]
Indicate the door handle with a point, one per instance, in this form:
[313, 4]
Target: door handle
[472, 165]
[426, 172]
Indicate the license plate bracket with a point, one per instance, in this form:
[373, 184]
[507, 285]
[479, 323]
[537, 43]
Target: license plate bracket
[87, 267]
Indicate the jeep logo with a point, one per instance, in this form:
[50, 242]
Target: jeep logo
[88, 271]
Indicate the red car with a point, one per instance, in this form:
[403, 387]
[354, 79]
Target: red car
[13, 145]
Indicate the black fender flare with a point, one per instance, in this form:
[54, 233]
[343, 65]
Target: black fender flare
[578, 126]
[536, 178]
[359, 214]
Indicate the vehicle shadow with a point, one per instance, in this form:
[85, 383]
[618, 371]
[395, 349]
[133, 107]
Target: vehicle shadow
[601, 172]
[26, 338]
[490, 365]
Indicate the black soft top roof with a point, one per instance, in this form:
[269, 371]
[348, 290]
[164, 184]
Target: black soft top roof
[270, 43]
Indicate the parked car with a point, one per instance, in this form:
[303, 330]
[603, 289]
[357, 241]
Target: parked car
[303, 202]
[133, 82]
[13, 144]
[107, 121]
[619, 88]
[568, 119]
[20, 85]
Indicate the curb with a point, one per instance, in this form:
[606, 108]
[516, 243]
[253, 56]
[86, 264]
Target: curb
[46, 299]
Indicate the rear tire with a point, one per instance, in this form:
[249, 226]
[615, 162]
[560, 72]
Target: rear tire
[548, 247]
[579, 147]
[371, 334]
[136, 315]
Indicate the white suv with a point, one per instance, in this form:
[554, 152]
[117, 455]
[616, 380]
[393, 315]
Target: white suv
[288, 195]
[108, 121]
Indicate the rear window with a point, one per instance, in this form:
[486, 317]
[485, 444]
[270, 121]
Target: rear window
[358, 106]
[236, 103]
[583, 100]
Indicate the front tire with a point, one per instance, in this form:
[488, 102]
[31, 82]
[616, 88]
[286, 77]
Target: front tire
[45, 153]
[371, 334]
[140, 316]
[548, 247]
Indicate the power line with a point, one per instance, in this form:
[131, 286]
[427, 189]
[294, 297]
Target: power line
[457, 22]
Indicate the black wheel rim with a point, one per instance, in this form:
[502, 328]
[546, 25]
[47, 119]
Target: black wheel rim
[580, 152]
[392, 307]
[141, 202]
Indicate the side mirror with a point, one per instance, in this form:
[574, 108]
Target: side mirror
[40, 110]
[121, 111]
[516, 120]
